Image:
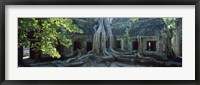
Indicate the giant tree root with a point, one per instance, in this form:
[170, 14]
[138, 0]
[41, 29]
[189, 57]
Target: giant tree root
[148, 61]
[105, 57]
[65, 64]
[80, 53]
[125, 57]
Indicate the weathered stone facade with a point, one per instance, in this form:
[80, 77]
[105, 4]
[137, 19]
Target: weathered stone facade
[125, 34]
[148, 29]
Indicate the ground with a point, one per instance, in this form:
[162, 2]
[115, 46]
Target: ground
[118, 62]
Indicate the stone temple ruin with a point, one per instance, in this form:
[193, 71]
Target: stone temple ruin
[144, 37]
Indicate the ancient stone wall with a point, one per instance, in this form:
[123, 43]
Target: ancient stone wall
[144, 40]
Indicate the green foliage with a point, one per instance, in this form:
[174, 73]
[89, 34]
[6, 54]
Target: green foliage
[170, 22]
[48, 31]
[134, 19]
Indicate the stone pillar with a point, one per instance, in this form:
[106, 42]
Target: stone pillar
[69, 50]
[84, 46]
[129, 44]
[139, 39]
[122, 44]
[126, 43]
[64, 51]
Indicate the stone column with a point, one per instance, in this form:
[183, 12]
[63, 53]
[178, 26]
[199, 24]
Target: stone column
[129, 44]
[122, 44]
[139, 39]
[84, 46]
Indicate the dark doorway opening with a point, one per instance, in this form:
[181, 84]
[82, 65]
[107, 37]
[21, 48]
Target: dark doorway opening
[118, 44]
[107, 44]
[77, 45]
[135, 45]
[89, 46]
[151, 45]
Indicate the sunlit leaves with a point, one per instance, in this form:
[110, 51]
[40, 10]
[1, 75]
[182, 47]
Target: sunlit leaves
[49, 31]
[171, 25]
[170, 22]
[134, 19]
[47, 48]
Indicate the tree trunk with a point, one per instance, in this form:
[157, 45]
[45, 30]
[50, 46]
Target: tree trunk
[99, 40]
[35, 54]
[99, 51]
[127, 41]
[139, 39]
[107, 23]
[177, 40]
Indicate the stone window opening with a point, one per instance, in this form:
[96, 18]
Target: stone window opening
[77, 45]
[107, 44]
[135, 45]
[151, 45]
[89, 46]
[118, 44]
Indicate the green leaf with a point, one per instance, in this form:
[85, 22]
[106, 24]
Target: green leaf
[49, 31]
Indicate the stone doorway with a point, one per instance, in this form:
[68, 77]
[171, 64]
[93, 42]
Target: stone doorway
[89, 46]
[135, 45]
[77, 45]
[118, 44]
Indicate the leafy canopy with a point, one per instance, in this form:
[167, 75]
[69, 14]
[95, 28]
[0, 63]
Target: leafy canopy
[48, 31]
[134, 19]
[170, 22]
